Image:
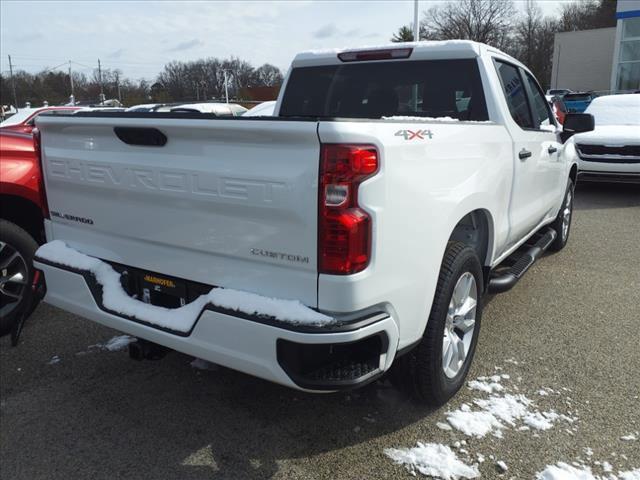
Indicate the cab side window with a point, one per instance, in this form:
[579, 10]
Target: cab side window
[541, 111]
[514, 92]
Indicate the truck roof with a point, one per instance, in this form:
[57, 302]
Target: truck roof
[422, 50]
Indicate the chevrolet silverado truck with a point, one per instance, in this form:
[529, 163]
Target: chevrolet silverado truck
[355, 232]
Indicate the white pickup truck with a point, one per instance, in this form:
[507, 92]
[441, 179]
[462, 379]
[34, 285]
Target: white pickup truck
[355, 230]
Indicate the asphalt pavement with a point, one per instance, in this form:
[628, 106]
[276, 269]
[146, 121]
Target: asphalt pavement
[570, 327]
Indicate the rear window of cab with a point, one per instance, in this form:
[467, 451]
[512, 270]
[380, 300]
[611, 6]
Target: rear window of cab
[426, 88]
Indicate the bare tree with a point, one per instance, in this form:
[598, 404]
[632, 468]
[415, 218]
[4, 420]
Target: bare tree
[587, 14]
[267, 76]
[532, 41]
[486, 21]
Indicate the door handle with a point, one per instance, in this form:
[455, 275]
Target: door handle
[524, 154]
[552, 150]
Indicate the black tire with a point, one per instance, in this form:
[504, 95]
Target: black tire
[21, 242]
[562, 237]
[420, 372]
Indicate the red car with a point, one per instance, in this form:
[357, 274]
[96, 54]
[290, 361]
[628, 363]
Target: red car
[21, 222]
[24, 120]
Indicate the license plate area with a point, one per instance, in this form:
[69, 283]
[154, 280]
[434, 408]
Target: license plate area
[159, 289]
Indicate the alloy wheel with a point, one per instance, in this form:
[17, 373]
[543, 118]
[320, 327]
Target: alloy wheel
[459, 324]
[566, 214]
[14, 275]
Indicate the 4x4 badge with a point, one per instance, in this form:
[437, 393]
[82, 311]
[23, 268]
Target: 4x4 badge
[417, 135]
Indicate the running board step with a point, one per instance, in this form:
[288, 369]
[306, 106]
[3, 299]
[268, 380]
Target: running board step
[507, 280]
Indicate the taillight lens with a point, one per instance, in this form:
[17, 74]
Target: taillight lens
[38, 152]
[344, 229]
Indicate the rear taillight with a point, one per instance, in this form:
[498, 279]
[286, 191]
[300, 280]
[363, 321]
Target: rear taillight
[43, 194]
[344, 229]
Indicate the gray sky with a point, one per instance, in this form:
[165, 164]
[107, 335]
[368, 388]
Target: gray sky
[139, 37]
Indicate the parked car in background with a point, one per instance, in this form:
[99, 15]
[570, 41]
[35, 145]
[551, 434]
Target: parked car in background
[577, 102]
[21, 223]
[24, 119]
[264, 109]
[559, 108]
[611, 152]
[144, 107]
[218, 109]
[150, 107]
[357, 229]
[6, 111]
[557, 92]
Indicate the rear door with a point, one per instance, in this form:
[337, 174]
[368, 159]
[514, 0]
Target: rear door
[230, 203]
[534, 181]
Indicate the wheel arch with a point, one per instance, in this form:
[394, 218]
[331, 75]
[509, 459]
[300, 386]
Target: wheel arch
[573, 173]
[476, 229]
[24, 213]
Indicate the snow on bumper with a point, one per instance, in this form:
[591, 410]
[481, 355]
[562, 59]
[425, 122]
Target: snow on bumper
[182, 319]
[224, 337]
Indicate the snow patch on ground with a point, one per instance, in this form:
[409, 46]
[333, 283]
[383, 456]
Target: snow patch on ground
[630, 475]
[564, 471]
[475, 424]
[496, 411]
[55, 359]
[500, 411]
[507, 408]
[114, 344]
[433, 459]
[484, 386]
[541, 421]
[181, 319]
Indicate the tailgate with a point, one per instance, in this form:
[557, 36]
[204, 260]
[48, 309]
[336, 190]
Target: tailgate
[230, 203]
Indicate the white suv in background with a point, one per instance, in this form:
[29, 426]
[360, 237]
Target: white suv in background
[611, 152]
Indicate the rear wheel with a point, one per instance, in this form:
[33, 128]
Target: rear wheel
[436, 369]
[17, 248]
[562, 223]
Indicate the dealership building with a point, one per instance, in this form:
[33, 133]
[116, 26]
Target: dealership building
[603, 59]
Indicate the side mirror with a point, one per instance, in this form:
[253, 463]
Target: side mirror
[576, 123]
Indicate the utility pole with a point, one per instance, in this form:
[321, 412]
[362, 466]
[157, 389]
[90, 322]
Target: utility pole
[416, 23]
[204, 90]
[118, 86]
[73, 96]
[100, 80]
[226, 90]
[13, 84]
